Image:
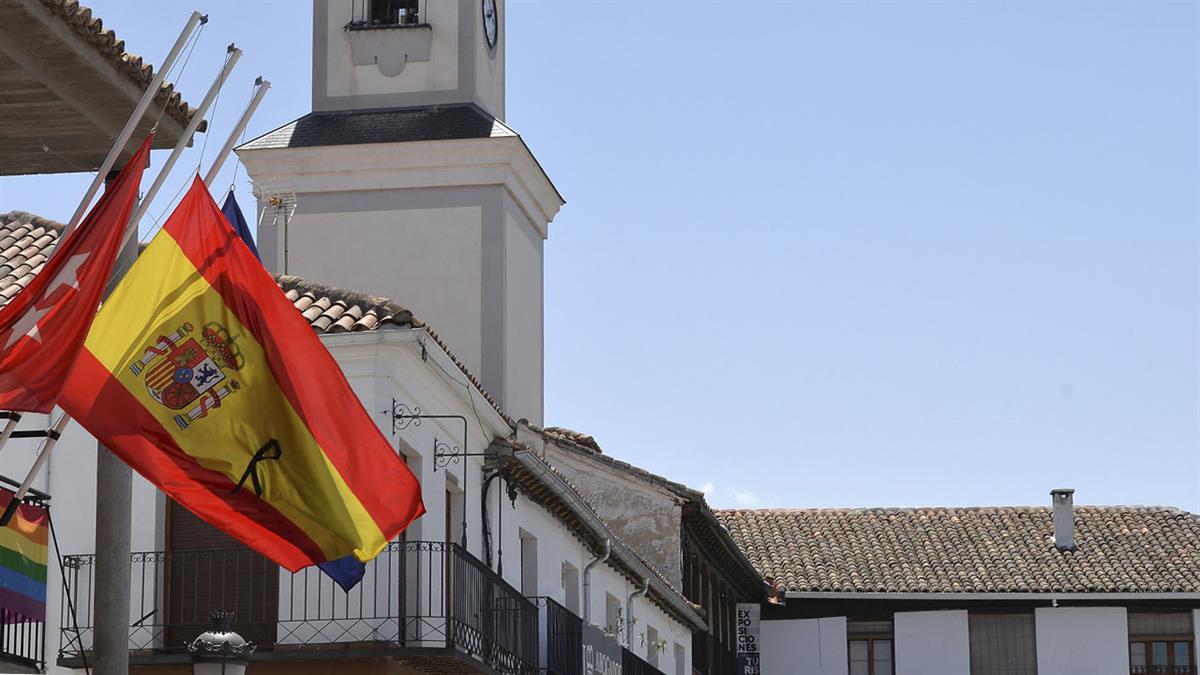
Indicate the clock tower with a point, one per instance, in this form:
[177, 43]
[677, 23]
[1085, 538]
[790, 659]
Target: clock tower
[405, 182]
[400, 53]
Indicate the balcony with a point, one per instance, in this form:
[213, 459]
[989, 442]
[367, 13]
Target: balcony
[561, 633]
[418, 598]
[632, 664]
[22, 644]
[711, 656]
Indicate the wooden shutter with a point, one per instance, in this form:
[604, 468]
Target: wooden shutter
[1003, 644]
[207, 570]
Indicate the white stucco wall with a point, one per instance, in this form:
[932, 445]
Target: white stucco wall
[932, 642]
[426, 259]
[1082, 641]
[439, 73]
[804, 647]
[524, 356]
[556, 545]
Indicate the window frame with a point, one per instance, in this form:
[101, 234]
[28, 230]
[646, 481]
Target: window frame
[871, 639]
[1148, 640]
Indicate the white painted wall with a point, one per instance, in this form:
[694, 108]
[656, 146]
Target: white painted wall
[556, 545]
[439, 73]
[426, 259]
[1082, 641]
[932, 642]
[524, 357]
[804, 647]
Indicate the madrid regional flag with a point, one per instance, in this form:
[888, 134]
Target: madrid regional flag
[43, 327]
[201, 375]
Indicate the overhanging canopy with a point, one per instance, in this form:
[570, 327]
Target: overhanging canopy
[67, 86]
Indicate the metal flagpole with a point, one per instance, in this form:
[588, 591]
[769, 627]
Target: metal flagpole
[263, 86]
[125, 259]
[144, 205]
[52, 436]
[114, 478]
[114, 153]
[134, 119]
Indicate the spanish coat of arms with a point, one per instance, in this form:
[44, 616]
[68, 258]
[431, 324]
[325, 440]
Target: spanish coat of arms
[191, 373]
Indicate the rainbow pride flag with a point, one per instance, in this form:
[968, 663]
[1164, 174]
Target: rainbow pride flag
[23, 557]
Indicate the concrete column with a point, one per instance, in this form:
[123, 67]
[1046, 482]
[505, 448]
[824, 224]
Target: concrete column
[114, 485]
[114, 514]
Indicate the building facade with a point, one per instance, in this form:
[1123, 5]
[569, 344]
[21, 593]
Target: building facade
[977, 591]
[672, 526]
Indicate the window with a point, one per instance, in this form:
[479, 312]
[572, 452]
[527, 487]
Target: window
[870, 647]
[1002, 644]
[529, 570]
[1161, 642]
[570, 584]
[612, 616]
[393, 12]
[652, 648]
[680, 660]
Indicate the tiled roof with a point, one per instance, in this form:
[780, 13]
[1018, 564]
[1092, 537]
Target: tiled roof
[81, 20]
[1121, 549]
[26, 241]
[397, 125]
[577, 437]
[333, 310]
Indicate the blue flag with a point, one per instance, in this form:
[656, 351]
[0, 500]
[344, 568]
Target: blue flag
[233, 213]
[348, 571]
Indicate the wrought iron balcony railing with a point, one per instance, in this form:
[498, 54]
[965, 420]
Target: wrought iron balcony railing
[711, 656]
[561, 633]
[22, 643]
[416, 594]
[632, 664]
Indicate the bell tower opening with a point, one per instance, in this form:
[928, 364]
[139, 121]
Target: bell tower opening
[371, 54]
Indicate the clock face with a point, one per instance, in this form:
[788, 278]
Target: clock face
[491, 22]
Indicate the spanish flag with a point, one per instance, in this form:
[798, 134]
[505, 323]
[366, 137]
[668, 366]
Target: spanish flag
[201, 375]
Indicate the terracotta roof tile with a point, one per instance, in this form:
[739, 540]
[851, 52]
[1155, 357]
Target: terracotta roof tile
[27, 240]
[971, 550]
[81, 20]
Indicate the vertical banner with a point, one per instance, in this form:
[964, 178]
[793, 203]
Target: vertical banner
[748, 614]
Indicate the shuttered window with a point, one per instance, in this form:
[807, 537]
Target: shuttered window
[1003, 644]
[1161, 642]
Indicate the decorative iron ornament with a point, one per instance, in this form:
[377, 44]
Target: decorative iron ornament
[445, 453]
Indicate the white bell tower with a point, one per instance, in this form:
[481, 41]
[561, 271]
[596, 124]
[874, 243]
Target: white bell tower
[401, 53]
[404, 182]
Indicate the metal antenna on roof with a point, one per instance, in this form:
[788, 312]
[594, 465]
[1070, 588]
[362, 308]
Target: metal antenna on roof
[282, 204]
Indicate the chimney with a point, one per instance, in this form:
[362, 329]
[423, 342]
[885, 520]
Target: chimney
[1064, 518]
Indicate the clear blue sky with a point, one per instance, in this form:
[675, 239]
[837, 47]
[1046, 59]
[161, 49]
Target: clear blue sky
[837, 254]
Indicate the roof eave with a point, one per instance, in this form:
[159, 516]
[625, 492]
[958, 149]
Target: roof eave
[1024, 595]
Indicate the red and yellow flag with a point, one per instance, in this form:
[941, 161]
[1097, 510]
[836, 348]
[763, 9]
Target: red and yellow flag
[200, 374]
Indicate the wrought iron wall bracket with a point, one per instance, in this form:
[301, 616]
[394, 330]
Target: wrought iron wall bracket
[445, 453]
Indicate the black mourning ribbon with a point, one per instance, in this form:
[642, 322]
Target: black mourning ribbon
[269, 450]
